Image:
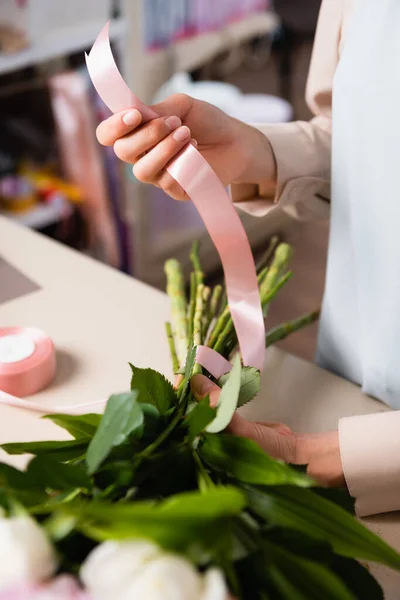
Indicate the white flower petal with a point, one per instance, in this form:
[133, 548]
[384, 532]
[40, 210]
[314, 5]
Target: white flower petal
[214, 586]
[166, 578]
[26, 554]
[112, 567]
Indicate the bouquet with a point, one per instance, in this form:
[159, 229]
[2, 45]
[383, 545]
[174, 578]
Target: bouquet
[152, 500]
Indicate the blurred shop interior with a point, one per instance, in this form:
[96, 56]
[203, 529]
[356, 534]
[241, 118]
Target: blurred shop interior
[249, 57]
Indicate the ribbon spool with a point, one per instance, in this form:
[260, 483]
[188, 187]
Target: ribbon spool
[27, 361]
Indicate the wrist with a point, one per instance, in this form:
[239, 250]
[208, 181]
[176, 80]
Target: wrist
[257, 157]
[321, 452]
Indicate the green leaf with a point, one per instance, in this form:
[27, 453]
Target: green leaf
[59, 526]
[54, 475]
[304, 511]
[198, 418]
[122, 417]
[244, 460]
[189, 366]
[355, 576]
[65, 450]
[78, 426]
[153, 389]
[173, 523]
[250, 383]
[299, 579]
[228, 399]
[21, 485]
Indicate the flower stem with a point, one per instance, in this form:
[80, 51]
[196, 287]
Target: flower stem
[279, 263]
[219, 327]
[176, 293]
[192, 304]
[172, 349]
[198, 323]
[282, 331]
[195, 258]
[266, 257]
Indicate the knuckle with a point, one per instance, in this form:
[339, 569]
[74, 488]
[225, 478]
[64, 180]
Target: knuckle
[182, 100]
[142, 173]
[157, 131]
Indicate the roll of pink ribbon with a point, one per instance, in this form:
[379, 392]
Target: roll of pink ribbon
[27, 360]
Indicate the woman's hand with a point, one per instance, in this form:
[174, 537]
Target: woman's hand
[236, 151]
[319, 451]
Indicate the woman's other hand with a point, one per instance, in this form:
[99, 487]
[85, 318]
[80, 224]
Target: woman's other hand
[320, 452]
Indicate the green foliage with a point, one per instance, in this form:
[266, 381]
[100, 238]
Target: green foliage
[153, 388]
[245, 461]
[250, 383]
[123, 416]
[201, 416]
[78, 426]
[158, 466]
[228, 399]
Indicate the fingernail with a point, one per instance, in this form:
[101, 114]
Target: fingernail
[173, 123]
[182, 134]
[131, 118]
[194, 142]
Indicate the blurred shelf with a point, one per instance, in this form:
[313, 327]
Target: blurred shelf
[42, 215]
[60, 43]
[194, 52]
[253, 26]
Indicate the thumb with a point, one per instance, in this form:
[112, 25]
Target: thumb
[177, 105]
[202, 386]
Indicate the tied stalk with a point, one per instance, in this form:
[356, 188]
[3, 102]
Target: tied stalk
[206, 311]
[285, 329]
[195, 258]
[192, 304]
[198, 323]
[271, 281]
[177, 296]
[206, 317]
[172, 349]
[268, 254]
[281, 259]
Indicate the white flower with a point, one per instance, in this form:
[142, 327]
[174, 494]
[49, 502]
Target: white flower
[140, 569]
[26, 554]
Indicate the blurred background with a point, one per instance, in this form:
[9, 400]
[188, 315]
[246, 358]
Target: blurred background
[249, 57]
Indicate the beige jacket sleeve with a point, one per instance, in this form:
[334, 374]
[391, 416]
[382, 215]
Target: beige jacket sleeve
[369, 444]
[303, 149]
[370, 452]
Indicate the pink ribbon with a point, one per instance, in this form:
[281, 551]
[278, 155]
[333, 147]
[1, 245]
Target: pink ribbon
[35, 371]
[202, 185]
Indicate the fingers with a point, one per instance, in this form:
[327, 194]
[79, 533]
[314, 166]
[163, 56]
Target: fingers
[170, 186]
[148, 168]
[152, 146]
[275, 439]
[132, 146]
[279, 427]
[270, 439]
[118, 126]
[202, 386]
